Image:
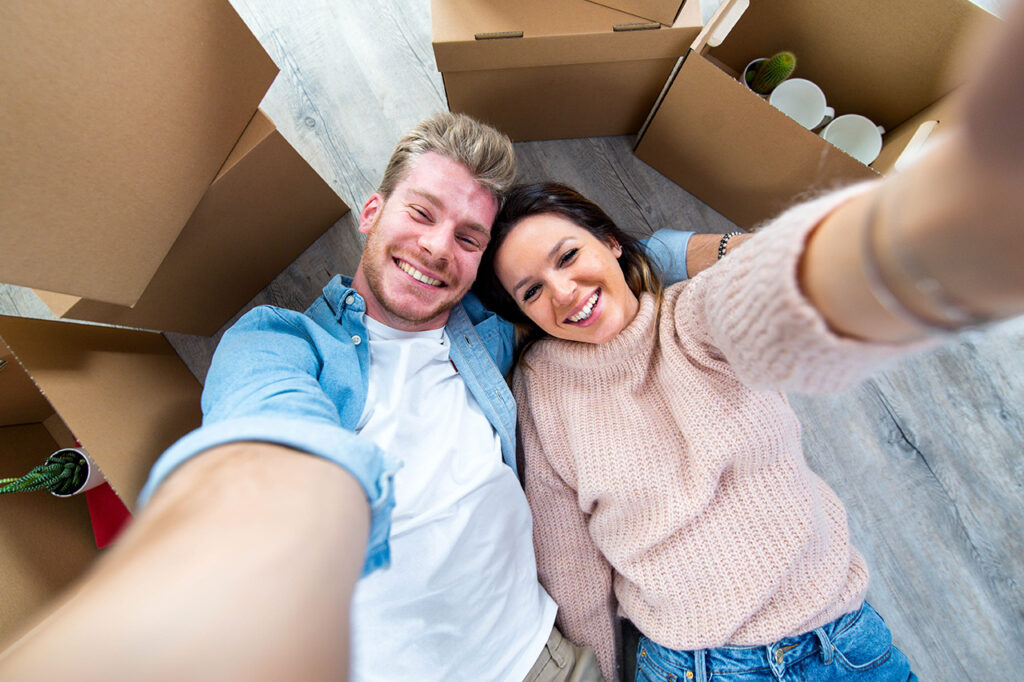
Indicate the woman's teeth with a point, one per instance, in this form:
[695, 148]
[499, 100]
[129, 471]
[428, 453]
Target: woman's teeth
[416, 274]
[585, 312]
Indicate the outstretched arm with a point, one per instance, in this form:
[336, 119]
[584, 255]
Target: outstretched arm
[225, 575]
[942, 242]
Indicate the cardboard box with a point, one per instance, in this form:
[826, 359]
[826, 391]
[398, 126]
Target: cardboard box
[124, 394]
[264, 208]
[747, 160]
[540, 70]
[116, 117]
[662, 11]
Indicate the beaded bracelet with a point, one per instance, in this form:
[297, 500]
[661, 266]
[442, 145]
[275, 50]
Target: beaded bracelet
[725, 240]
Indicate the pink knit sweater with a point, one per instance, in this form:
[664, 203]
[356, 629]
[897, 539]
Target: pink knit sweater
[665, 471]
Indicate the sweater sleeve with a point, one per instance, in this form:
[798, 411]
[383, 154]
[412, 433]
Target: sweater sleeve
[750, 308]
[569, 565]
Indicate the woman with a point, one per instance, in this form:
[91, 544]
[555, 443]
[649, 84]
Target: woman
[664, 467]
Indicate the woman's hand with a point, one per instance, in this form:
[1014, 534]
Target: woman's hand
[945, 238]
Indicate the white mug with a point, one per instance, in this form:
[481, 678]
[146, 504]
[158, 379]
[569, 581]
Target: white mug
[856, 135]
[802, 101]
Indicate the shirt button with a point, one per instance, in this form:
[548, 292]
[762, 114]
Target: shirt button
[779, 656]
[350, 300]
[356, 340]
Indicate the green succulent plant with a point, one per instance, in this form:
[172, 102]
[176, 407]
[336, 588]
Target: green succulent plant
[63, 473]
[763, 77]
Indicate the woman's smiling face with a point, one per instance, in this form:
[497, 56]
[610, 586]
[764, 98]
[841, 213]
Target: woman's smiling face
[566, 280]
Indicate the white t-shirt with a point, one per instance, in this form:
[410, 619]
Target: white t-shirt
[461, 600]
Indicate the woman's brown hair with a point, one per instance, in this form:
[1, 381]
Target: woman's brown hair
[541, 198]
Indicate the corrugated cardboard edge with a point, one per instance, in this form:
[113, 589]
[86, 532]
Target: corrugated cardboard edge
[21, 401]
[123, 393]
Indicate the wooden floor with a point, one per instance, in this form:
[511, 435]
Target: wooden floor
[926, 456]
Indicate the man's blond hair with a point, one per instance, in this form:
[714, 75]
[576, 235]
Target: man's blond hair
[485, 152]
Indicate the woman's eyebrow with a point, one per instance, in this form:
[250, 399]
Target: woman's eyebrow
[551, 256]
[557, 247]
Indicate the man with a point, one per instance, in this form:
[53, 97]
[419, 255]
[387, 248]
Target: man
[393, 382]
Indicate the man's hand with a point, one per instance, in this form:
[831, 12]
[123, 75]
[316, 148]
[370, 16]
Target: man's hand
[240, 568]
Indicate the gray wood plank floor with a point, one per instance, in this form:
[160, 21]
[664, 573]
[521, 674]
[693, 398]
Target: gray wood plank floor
[926, 455]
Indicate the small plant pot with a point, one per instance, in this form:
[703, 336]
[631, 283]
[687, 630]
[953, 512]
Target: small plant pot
[94, 478]
[748, 75]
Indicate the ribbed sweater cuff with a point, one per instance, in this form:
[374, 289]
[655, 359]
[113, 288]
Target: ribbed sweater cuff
[766, 327]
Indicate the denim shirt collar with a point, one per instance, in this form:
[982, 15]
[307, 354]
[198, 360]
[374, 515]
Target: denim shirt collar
[337, 293]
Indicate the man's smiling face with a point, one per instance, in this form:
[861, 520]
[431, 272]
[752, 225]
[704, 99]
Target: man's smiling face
[423, 244]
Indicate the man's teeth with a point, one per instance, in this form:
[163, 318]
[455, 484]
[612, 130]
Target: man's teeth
[584, 313]
[416, 274]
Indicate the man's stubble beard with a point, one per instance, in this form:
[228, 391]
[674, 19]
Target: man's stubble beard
[379, 258]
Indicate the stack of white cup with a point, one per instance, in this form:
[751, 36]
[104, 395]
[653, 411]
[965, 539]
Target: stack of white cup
[804, 102]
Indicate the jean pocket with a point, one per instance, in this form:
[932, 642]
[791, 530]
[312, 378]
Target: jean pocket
[649, 667]
[863, 640]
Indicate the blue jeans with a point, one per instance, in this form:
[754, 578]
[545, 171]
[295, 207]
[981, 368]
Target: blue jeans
[857, 646]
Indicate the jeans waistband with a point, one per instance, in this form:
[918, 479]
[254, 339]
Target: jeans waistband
[776, 656]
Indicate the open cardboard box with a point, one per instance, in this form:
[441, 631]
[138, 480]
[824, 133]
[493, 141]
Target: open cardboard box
[117, 116]
[539, 70]
[123, 394]
[264, 208]
[889, 61]
[662, 11]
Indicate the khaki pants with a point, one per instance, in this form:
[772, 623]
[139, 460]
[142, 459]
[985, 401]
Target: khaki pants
[562, 661]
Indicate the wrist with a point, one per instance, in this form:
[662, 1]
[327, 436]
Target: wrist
[947, 238]
[723, 244]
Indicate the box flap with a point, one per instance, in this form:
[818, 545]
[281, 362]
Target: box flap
[882, 59]
[45, 542]
[265, 208]
[117, 118]
[904, 144]
[124, 394]
[20, 399]
[545, 34]
[707, 149]
[259, 128]
[720, 24]
[59, 304]
[663, 11]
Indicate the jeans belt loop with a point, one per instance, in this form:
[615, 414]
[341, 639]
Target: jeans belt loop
[826, 645]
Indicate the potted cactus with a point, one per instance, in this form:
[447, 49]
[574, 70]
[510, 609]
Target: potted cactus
[762, 75]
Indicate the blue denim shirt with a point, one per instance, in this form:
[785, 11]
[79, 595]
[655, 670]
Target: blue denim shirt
[300, 380]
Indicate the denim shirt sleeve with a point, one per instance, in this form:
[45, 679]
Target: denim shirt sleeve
[264, 385]
[667, 248]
